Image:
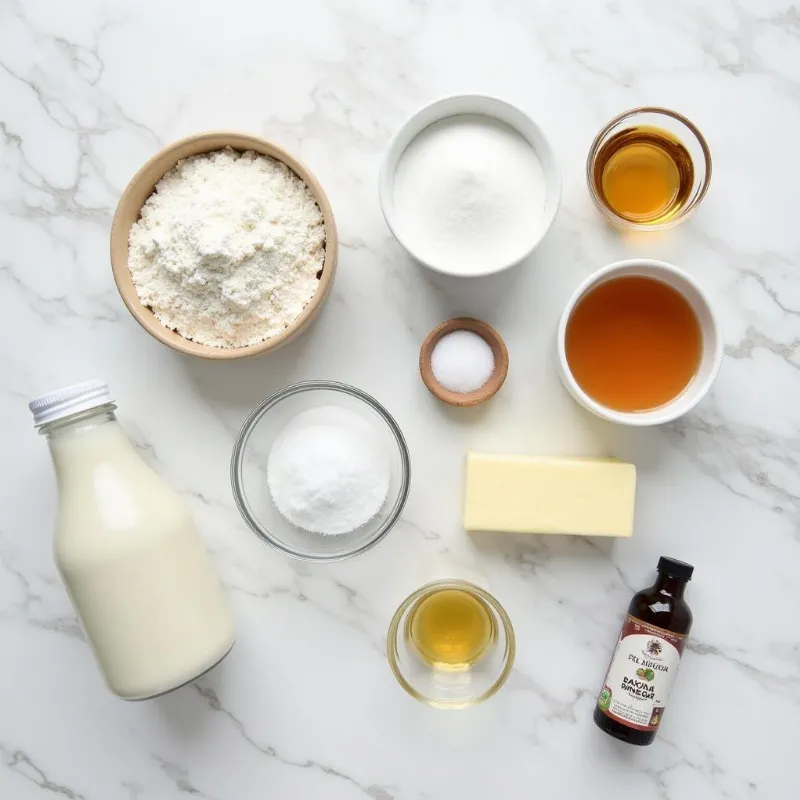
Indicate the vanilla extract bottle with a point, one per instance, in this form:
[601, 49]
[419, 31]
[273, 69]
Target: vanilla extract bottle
[644, 665]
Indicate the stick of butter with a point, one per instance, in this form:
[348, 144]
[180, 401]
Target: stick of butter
[528, 494]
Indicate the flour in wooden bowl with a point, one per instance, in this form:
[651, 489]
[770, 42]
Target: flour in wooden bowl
[228, 249]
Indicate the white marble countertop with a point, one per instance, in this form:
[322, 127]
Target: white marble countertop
[305, 706]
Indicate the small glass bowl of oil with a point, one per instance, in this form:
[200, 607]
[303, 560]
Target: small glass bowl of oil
[648, 169]
[451, 644]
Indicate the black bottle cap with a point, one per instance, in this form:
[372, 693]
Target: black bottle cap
[676, 569]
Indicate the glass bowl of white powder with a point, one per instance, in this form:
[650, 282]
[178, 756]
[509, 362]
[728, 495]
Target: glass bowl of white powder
[320, 471]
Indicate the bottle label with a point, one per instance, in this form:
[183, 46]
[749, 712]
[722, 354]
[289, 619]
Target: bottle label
[641, 674]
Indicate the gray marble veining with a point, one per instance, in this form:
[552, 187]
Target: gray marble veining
[305, 706]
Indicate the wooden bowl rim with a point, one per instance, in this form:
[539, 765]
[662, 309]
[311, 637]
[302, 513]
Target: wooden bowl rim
[490, 336]
[127, 208]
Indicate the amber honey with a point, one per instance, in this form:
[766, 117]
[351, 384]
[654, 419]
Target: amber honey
[451, 628]
[644, 175]
[633, 343]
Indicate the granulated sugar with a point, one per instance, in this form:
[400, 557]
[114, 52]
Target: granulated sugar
[468, 194]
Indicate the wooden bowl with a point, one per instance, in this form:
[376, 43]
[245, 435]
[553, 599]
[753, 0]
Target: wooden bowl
[499, 351]
[141, 187]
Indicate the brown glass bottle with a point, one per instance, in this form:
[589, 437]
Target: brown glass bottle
[643, 667]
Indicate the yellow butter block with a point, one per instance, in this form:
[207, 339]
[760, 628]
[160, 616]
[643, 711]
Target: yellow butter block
[529, 494]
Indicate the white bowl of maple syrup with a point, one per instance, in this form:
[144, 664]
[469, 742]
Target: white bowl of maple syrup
[638, 343]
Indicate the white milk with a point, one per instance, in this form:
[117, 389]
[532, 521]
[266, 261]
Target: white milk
[134, 566]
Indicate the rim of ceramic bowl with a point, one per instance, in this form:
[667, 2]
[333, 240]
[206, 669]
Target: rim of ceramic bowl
[240, 445]
[547, 157]
[678, 406]
[141, 186]
[394, 627]
[597, 142]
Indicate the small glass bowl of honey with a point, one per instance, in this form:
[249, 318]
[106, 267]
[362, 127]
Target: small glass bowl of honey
[648, 169]
[451, 644]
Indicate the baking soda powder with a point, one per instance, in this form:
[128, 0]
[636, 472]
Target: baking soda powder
[326, 472]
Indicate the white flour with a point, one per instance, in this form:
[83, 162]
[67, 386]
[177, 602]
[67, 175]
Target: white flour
[228, 248]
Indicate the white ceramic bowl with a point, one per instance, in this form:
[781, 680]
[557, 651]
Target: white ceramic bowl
[710, 361]
[483, 106]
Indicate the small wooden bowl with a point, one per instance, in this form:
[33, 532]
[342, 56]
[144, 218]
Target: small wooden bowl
[499, 351]
[141, 187]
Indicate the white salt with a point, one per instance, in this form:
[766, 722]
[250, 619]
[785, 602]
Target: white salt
[327, 473]
[462, 361]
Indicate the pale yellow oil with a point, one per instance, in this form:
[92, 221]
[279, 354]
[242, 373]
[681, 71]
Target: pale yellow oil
[451, 628]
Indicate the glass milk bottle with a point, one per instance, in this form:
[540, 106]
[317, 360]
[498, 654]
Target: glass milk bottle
[126, 548]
